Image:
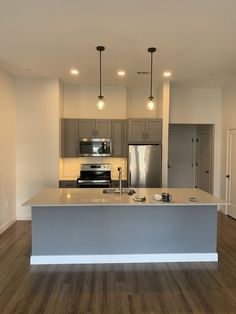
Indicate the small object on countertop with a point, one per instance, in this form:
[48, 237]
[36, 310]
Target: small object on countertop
[192, 199]
[139, 198]
[157, 197]
[166, 197]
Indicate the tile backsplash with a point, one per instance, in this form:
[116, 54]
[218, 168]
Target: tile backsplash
[70, 167]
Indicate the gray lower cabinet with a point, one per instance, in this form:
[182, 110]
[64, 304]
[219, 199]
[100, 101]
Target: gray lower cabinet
[94, 128]
[67, 184]
[116, 183]
[148, 131]
[118, 135]
[70, 138]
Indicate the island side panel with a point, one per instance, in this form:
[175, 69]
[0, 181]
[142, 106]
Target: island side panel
[94, 230]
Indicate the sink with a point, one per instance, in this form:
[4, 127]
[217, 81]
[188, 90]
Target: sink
[117, 191]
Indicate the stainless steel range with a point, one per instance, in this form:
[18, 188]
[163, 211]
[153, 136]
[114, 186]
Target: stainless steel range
[94, 176]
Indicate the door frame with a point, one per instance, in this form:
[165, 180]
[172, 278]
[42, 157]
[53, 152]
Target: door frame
[203, 129]
[228, 168]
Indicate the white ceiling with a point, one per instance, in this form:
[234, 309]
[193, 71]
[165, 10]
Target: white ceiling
[194, 39]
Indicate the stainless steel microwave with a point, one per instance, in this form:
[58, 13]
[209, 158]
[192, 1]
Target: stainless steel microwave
[95, 147]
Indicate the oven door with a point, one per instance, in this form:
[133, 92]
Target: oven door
[93, 183]
[95, 147]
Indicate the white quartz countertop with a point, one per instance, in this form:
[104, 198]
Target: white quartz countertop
[96, 197]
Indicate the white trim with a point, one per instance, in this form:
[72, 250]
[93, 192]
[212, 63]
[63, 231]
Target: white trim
[123, 258]
[25, 216]
[222, 209]
[7, 224]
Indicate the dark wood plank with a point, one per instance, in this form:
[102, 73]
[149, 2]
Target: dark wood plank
[116, 288]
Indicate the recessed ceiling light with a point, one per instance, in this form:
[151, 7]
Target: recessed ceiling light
[121, 73]
[74, 72]
[167, 74]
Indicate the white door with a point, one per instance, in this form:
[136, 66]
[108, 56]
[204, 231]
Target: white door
[181, 159]
[204, 161]
[231, 173]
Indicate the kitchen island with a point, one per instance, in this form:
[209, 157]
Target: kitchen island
[87, 226]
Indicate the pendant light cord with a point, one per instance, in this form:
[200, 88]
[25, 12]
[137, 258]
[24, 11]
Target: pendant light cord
[100, 49]
[151, 50]
[151, 74]
[100, 73]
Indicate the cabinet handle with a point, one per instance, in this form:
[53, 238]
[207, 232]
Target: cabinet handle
[144, 135]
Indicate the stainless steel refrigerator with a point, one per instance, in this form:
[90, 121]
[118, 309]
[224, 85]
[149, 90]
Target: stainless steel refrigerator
[144, 166]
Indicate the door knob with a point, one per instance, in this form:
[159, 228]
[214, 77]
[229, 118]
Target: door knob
[207, 171]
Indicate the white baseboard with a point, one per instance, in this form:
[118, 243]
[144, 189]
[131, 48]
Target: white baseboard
[126, 258]
[7, 224]
[23, 216]
[223, 209]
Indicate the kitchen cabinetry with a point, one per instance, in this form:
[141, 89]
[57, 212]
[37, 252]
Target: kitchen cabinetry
[67, 184]
[69, 138]
[118, 134]
[148, 131]
[94, 128]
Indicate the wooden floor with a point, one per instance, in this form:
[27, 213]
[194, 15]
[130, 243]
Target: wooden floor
[120, 288]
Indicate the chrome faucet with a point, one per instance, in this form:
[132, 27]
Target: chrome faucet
[120, 179]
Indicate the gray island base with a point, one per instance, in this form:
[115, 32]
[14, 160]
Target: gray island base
[120, 230]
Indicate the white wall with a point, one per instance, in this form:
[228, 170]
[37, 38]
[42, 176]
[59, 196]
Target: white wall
[199, 106]
[37, 137]
[80, 102]
[8, 150]
[137, 99]
[228, 122]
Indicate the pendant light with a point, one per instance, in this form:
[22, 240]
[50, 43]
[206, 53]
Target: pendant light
[150, 103]
[100, 102]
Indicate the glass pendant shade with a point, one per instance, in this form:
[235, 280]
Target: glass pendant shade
[150, 103]
[100, 103]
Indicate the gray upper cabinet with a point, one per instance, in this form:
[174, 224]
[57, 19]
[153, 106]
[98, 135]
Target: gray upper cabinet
[118, 132]
[94, 128]
[153, 131]
[136, 130]
[103, 128]
[87, 128]
[69, 138]
[148, 131]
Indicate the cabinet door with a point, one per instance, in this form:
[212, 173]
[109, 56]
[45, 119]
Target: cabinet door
[118, 131]
[103, 128]
[86, 128]
[136, 130]
[70, 138]
[153, 133]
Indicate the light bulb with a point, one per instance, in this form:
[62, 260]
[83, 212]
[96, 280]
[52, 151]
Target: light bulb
[100, 103]
[150, 104]
[74, 72]
[167, 74]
